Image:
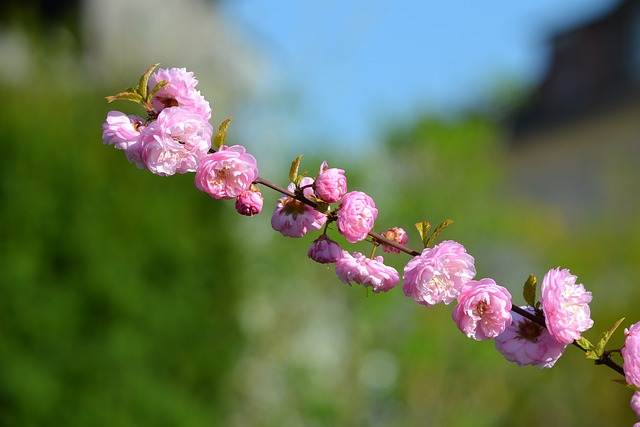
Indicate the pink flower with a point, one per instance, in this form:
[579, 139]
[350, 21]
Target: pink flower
[631, 354]
[324, 250]
[565, 305]
[397, 235]
[175, 142]
[331, 184]
[121, 130]
[250, 202]
[366, 272]
[293, 218]
[527, 343]
[438, 273]
[356, 216]
[227, 173]
[635, 404]
[483, 310]
[179, 92]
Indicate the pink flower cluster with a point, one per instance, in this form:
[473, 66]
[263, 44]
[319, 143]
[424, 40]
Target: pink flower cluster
[177, 138]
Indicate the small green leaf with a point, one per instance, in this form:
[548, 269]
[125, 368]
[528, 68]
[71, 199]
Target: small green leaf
[144, 81]
[293, 171]
[423, 229]
[322, 206]
[299, 178]
[125, 96]
[221, 136]
[444, 224]
[529, 290]
[589, 349]
[606, 335]
[156, 88]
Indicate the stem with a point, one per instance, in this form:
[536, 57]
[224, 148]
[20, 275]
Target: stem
[314, 205]
[605, 360]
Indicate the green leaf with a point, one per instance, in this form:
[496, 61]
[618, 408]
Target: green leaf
[606, 335]
[589, 349]
[322, 206]
[444, 224]
[529, 290]
[221, 136]
[156, 88]
[125, 96]
[423, 229]
[293, 171]
[144, 81]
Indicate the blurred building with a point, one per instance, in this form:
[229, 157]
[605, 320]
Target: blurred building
[576, 143]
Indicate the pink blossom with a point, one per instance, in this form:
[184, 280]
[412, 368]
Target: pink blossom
[121, 130]
[395, 234]
[366, 272]
[356, 216]
[324, 250]
[438, 273]
[483, 310]
[635, 404]
[565, 305]
[527, 343]
[293, 218]
[331, 184]
[631, 354]
[179, 92]
[250, 201]
[175, 142]
[227, 173]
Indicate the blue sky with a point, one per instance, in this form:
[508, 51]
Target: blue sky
[353, 66]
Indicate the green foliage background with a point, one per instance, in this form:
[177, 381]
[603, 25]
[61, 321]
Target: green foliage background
[133, 300]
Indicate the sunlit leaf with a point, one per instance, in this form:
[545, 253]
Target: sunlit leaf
[529, 290]
[221, 136]
[125, 96]
[293, 171]
[144, 81]
[606, 335]
[423, 229]
[444, 224]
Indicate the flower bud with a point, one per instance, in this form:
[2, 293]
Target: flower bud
[356, 216]
[324, 250]
[331, 184]
[397, 235]
[250, 202]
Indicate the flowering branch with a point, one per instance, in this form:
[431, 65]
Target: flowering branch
[176, 138]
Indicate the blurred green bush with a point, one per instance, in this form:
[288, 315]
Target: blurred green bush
[116, 287]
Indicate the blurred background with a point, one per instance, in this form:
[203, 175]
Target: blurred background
[127, 299]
